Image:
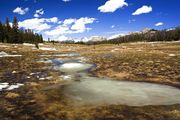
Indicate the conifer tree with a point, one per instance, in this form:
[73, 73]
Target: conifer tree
[15, 31]
[1, 32]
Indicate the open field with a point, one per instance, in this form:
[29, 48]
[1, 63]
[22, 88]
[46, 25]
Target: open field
[142, 62]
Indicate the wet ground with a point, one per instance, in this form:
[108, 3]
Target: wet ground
[70, 82]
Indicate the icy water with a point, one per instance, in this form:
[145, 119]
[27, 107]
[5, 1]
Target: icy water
[97, 91]
[86, 90]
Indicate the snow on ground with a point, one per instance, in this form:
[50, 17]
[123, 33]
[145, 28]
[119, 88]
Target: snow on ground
[4, 54]
[66, 77]
[48, 49]
[6, 86]
[28, 44]
[4, 46]
[46, 78]
[3, 85]
[12, 87]
[41, 44]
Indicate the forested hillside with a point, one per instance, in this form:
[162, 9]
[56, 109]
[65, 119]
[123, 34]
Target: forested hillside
[13, 34]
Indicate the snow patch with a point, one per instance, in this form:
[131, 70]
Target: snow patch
[74, 67]
[12, 87]
[46, 78]
[6, 86]
[4, 54]
[28, 44]
[48, 49]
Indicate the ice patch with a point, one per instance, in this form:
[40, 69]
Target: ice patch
[3, 85]
[66, 77]
[41, 44]
[46, 78]
[98, 91]
[74, 67]
[12, 87]
[4, 46]
[6, 86]
[48, 49]
[28, 44]
[4, 54]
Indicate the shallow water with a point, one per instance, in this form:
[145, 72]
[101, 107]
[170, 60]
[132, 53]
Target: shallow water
[74, 67]
[97, 91]
[86, 90]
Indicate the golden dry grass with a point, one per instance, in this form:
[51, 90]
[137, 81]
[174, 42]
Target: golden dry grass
[157, 63]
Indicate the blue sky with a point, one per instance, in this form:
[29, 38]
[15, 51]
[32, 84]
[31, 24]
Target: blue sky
[65, 19]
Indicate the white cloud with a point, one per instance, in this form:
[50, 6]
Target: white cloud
[66, 0]
[113, 26]
[69, 21]
[80, 24]
[144, 9]
[39, 13]
[70, 26]
[20, 10]
[63, 38]
[55, 29]
[38, 24]
[159, 24]
[53, 20]
[112, 5]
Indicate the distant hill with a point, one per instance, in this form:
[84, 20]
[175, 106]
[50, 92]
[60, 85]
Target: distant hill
[146, 35]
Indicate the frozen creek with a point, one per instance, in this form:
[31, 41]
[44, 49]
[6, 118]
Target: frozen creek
[86, 90]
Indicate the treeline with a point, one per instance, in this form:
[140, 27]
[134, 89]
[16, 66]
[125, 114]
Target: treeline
[12, 33]
[149, 36]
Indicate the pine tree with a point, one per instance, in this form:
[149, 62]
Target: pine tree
[1, 32]
[7, 31]
[15, 31]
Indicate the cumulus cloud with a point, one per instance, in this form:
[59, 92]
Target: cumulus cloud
[37, 24]
[63, 38]
[69, 21]
[70, 26]
[112, 5]
[80, 24]
[55, 29]
[20, 10]
[144, 9]
[39, 13]
[53, 20]
[159, 24]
